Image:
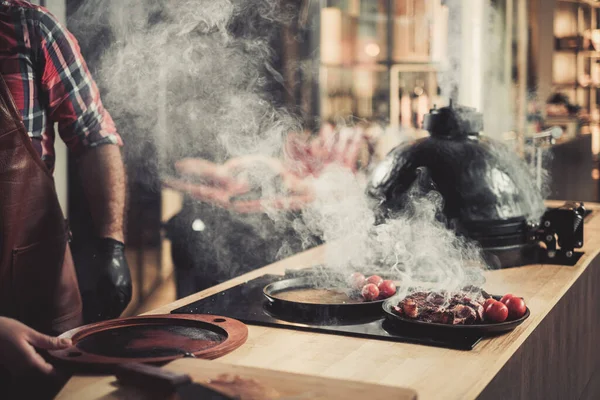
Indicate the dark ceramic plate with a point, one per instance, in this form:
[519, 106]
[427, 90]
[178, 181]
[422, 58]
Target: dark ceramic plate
[486, 328]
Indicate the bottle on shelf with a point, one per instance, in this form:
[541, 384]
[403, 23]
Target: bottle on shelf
[420, 104]
[438, 100]
[405, 106]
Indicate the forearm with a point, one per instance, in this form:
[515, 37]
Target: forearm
[103, 178]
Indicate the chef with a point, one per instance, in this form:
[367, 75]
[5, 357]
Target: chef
[45, 81]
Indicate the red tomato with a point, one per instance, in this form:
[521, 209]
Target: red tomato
[505, 298]
[370, 292]
[516, 307]
[375, 279]
[488, 302]
[496, 312]
[357, 280]
[387, 289]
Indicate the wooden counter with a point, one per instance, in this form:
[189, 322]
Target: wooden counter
[553, 355]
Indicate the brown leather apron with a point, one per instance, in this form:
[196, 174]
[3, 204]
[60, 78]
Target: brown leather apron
[38, 284]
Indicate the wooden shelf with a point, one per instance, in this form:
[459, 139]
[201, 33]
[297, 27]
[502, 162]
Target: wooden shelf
[382, 65]
[590, 3]
[574, 86]
[590, 53]
[379, 66]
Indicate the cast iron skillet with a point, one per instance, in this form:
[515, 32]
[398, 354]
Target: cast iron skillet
[315, 310]
[485, 328]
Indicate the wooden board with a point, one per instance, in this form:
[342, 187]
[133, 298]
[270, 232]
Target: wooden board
[432, 372]
[281, 385]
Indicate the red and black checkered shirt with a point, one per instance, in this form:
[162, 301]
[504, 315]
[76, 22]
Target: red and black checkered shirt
[42, 65]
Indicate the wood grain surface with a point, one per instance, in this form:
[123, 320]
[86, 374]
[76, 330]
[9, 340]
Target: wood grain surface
[558, 360]
[277, 385]
[433, 373]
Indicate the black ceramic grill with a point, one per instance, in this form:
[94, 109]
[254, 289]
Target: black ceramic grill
[489, 192]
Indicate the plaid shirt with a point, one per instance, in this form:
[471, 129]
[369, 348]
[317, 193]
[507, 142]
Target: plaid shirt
[42, 65]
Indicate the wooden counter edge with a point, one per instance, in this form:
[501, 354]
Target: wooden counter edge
[581, 266]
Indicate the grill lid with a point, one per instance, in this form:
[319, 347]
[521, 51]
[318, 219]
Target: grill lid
[483, 183]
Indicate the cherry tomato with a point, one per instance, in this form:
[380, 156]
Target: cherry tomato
[505, 298]
[516, 307]
[496, 312]
[357, 280]
[488, 302]
[370, 292]
[375, 279]
[387, 289]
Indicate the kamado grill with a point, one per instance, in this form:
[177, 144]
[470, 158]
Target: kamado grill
[489, 194]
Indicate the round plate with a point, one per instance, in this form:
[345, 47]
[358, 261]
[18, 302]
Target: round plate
[153, 339]
[474, 328]
[272, 290]
[315, 309]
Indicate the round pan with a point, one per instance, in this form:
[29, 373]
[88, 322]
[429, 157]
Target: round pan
[152, 339]
[485, 328]
[305, 310]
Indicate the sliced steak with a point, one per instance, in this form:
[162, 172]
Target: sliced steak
[464, 307]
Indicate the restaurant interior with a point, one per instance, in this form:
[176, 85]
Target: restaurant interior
[527, 73]
[378, 62]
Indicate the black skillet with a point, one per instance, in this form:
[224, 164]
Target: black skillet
[323, 310]
[400, 323]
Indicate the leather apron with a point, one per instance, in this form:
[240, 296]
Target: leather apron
[38, 283]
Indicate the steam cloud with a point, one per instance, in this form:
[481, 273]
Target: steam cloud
[175, 76]
[189, 73]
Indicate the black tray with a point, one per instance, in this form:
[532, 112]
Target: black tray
[247, 303]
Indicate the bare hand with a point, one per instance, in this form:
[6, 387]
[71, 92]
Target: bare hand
[214, 183]
[310, 156]
[299, 191]
[305, 160]
[18, 344]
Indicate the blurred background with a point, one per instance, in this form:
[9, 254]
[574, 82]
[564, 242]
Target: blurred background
[379, 62]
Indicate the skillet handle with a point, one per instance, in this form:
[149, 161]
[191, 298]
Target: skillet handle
[151, 378]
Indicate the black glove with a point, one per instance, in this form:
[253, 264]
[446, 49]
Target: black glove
[105, 281]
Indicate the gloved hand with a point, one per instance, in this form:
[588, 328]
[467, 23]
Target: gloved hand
[105, 281]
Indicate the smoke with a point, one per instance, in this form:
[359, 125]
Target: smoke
[192, 78]
[484, 79]
[415, 247]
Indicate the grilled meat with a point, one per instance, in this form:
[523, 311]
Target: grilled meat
[410, 308]
[464, 307]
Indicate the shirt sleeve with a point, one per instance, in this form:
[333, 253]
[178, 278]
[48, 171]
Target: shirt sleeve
[73, 99]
